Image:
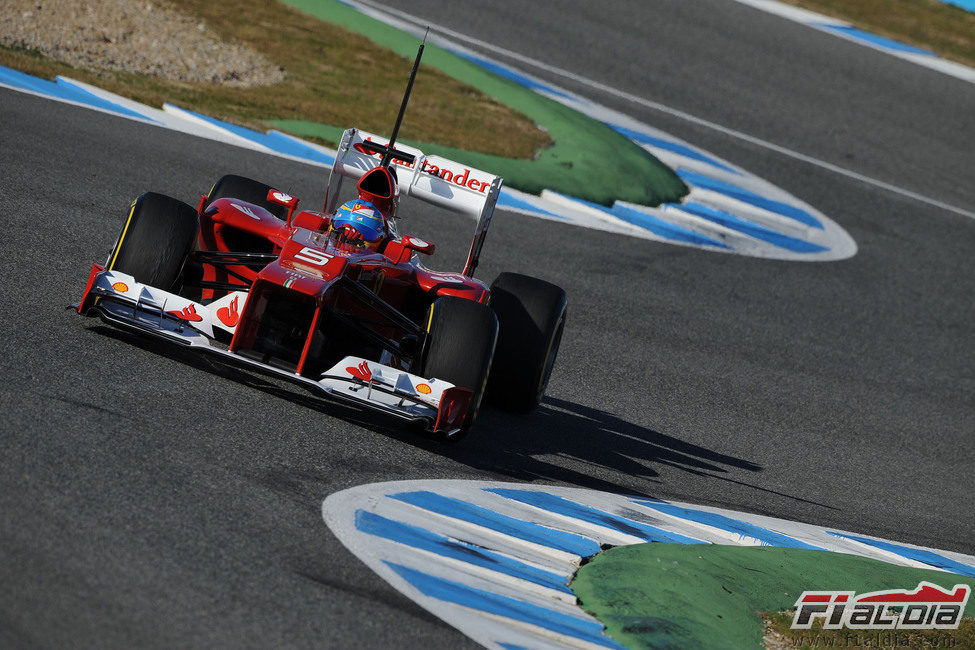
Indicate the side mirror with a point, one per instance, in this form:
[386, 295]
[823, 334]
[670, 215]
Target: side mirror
[312, 221]
[398, 250]
[286, 200]
[418, 245]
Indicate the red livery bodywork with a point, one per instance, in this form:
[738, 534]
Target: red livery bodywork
[248, 276]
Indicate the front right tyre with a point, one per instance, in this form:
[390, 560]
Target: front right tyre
[461, 336]
[531, 318]
[246, 189]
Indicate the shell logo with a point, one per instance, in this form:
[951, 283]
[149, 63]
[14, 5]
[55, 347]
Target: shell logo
[423, 388]
[121, 287]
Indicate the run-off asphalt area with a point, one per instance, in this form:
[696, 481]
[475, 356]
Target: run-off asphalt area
[147, 500]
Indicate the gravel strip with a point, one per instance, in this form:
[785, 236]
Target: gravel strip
[137, 36]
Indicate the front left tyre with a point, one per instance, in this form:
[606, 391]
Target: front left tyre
[155, 240]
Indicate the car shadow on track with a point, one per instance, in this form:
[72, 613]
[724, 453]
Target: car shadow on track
[588, 446]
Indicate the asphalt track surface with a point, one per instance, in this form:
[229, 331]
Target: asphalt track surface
[148, 500]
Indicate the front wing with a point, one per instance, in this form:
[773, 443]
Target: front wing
[122, 302]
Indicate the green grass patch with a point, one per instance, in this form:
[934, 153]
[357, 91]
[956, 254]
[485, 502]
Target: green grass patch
[712, 596]
[942, 28]
[587, 160]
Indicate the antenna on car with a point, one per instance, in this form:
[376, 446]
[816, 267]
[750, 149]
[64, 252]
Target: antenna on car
[388, 155]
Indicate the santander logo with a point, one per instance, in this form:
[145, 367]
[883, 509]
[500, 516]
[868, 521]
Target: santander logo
[461, 178]
[457, 178]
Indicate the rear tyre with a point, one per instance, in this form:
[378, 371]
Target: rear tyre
[155, 240]
[460, 347]
[531, 318]
[232, 186]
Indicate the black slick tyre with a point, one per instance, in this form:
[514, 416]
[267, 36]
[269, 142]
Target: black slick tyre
[531, 318]
[155, 240]
[460, 347]
[232, 186]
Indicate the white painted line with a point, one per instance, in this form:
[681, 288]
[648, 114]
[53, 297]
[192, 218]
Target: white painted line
[154, 115]
[216, 131]
[317, 147]
[762, 217]
[823, 23]
[738, 242]
[605, 220]
[417, 23]
[483, 577]
[543, 557]
[859, 548]
[792, 13]
[72, 102]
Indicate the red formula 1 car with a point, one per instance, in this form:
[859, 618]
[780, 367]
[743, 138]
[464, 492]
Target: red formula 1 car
[337, 300]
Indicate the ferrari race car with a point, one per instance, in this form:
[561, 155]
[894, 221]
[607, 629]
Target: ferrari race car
[337, 300]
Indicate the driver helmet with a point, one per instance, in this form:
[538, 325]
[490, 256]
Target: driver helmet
[362, 216]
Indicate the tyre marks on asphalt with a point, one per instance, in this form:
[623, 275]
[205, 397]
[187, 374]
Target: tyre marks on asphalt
[495, 559]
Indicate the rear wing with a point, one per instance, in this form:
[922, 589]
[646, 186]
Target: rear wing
[433, 179]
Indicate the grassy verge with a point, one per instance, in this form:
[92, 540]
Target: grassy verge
[345, 69]
[587, 160]
[945, 29]
[711, 596]
[333, 76]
